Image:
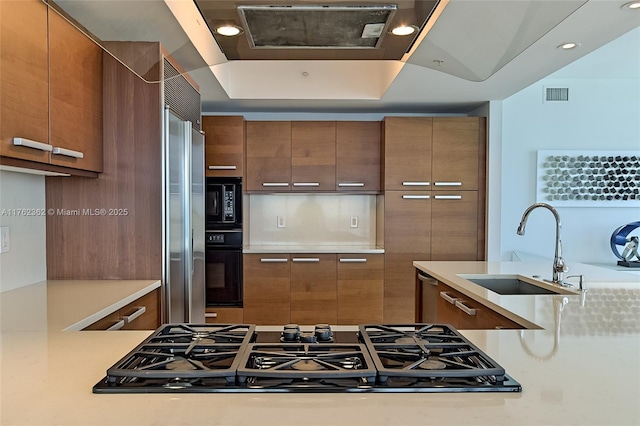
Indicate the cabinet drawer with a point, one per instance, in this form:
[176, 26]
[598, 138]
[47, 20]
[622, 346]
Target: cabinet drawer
[223, 315]
[141, 314]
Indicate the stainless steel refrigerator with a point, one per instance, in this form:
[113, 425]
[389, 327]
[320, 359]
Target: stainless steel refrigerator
[184, 221]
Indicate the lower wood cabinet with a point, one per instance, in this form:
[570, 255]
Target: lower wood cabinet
[267, 289]
[399, 286]
[141, 314]
[464, 313]
[309, 289]
[360, 288]
[224, 315]
[314, 294]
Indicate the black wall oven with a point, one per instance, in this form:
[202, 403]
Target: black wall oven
[223, 267]
[224, 203]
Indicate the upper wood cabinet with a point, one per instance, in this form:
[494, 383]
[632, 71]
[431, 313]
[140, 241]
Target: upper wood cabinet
[313, 155]
[407, 153]
[51, 87]
[358, 156]
[308, 156]
[24, 80]
[75, 97]
[224, 145]
[268, 155]
[457, 150]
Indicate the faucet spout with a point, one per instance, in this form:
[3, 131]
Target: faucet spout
[559, 267]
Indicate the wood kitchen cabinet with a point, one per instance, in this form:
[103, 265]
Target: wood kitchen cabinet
[465, 313]
[267, 289]
[407, 222]
[313, 155]
[358, 156]
[457, 153]
[51, 91]
[141, 314]
[223, 315]
[455, 229]
[268, 156]
[314, 295]
[399, 286]
[406, 145]
[75, 97]
[360, 288]
[24, 80]
[224, 145]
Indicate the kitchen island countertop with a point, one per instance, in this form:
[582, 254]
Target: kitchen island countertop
[586, 371]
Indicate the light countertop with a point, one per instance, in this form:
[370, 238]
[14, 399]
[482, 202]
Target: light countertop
[587, 375]
[339, 249]
[69, 305]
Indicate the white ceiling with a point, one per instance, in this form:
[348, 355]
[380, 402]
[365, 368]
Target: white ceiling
[491, 50]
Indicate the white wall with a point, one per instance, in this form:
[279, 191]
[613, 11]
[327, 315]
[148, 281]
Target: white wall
[602, 114]
[26, 261]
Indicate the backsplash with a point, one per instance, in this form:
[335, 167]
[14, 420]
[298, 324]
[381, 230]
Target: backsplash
[311, 219]
[22, 203]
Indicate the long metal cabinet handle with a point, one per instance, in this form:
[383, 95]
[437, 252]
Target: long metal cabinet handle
[416, 197]
[32, 144]
[306, 184]
[446, 296]
[447, 197]
[67, 152]
[129, 318]
[350, 184]
[117, 326]
[274, 260]
[427, 279]
[306, 259]
[268, 184]
[211, 315]
[353, 260]
[464, 308]
[412, 183]
[448, 183]
[223, 167]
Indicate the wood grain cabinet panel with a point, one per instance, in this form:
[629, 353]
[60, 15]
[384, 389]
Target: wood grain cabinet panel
[268, 155]
[358, 156]
[407, 152]
[455, 160]
[141, 314]
[407, 221]
[399, 286]
[360, 288]
[313, 156]
[464, 313]
[223, 315]
[75, 96]
[454, 225]
[24, 80]
[224, 145]
[267, 289]
[314, 296]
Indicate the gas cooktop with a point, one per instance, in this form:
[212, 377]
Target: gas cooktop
[201, 358]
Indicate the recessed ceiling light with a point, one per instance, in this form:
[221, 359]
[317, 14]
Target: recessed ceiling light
[568, 45]
[228, 30]
[634, 5]
[403, 30]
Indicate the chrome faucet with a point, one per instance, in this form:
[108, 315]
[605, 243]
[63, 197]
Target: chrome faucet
[559, 267]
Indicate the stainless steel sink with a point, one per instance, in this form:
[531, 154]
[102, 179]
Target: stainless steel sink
[514, 285]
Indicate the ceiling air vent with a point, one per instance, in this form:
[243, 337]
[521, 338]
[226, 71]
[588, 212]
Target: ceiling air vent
[556, 94]
[309, 26]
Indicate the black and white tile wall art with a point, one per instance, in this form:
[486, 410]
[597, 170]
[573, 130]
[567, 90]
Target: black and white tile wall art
[589, 178]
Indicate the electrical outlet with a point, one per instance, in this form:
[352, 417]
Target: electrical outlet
[281, 222]
[354, 221]
[4, 239]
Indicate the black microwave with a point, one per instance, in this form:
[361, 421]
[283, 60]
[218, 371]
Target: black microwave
[224, 203]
